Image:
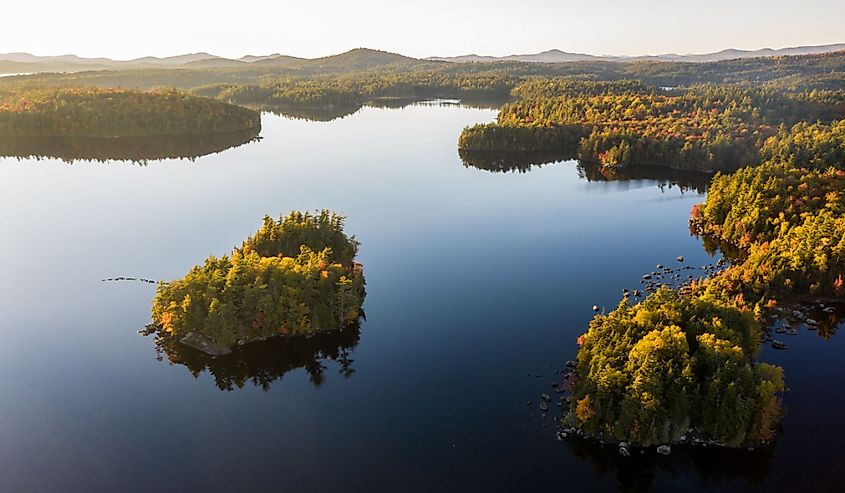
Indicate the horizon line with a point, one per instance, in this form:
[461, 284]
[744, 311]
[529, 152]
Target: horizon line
[280, 53]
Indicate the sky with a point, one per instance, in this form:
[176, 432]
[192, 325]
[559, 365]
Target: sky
[310, 28]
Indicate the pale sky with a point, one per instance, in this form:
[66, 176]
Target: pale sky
[129, 29]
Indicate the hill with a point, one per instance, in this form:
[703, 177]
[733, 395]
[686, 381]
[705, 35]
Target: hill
[360, 59]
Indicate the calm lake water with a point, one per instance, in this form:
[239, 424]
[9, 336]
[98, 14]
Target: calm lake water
[475, 280]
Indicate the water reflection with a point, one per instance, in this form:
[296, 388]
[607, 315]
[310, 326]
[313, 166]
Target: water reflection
[262, 363]
[135, 149]
[323, 113]
[517, 162]
[331, 112]
[685, 181]
[714, 465]
[523, 162]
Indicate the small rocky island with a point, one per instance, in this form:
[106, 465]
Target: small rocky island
[296, 277]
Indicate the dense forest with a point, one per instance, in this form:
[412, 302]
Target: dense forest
[294, 277]
[625, 123]
[675, 366]
[786, 218]
[681, 362]
[107, 113]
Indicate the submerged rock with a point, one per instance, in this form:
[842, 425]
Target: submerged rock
[664, 450]
[204, 344]
[778, 344]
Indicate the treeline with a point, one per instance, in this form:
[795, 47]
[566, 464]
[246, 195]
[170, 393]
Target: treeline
[295, 276]
[92, 112]
[284, 95]
[681, 363]
[624, 123]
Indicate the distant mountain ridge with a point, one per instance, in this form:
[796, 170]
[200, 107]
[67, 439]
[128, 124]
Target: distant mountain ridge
[558, 56]
[357, 59]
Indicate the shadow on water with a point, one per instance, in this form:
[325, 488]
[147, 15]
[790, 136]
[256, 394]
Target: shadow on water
[715, 466]
[262, 363]
[135, 149]
[331, 112]
[323, 113]
[523, 162]
[516, 162]
[692, 181]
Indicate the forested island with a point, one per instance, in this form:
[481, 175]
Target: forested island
[115, 113]
[295, 277]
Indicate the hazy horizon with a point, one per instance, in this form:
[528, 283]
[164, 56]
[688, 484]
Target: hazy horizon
[436, 55]
[93, 28]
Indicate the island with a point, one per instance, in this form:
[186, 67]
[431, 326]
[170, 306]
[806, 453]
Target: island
[116, 113]
[295, 277]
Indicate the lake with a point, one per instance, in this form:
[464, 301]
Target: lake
[477, 281]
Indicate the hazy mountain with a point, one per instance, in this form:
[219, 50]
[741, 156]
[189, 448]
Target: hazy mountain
[69, 59]
[281, 61]
[172, 60]
[357, 59]
[552, 56]
[558, 56]
[27, 63]
[258, 58]
[216, 62]
[361, 59]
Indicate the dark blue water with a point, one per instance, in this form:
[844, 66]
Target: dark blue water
[475, 279]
